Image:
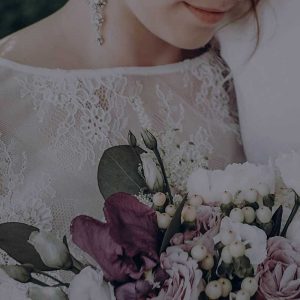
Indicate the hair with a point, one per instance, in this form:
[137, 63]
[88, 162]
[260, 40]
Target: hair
[254, 4]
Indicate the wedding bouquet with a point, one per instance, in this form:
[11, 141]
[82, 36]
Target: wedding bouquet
[223, 239]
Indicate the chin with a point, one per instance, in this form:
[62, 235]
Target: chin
[191, 42]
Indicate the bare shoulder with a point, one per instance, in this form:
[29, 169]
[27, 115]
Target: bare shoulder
[35, 44]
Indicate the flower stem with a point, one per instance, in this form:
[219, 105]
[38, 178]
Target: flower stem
[157, 154]
[292, 215]
[38, 282]
[79, 266]
[52, 277]
[75, 270]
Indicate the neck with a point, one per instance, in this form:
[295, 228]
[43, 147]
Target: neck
[127, 41]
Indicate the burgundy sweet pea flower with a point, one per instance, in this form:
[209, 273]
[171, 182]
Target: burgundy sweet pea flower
[127, 244]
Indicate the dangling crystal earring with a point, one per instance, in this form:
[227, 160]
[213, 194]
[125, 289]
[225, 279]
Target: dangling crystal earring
[97, 8]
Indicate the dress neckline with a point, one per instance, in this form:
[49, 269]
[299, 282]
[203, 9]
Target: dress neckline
[142, 71]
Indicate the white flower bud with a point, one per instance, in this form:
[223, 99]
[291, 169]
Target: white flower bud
[226, 286]
[213, 290]
[250, 285]
[264, 214]
[153, 175]
[163, 220]
[132, 139]
[195, 200]
[189, 214]
[236, 215]
[226, 255]
[18, 272]
[227, 198]
[249, 214]
[159, 199]
[263, 189]
[149, 139]
[199, 252]
[38, 293]
[251, 196]
[171, 210]
[208, 262]
[227, 237]
[237, 249]
[53, 252]
[242, 295]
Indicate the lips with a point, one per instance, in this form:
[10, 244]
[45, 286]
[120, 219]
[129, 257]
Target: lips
[207, 15]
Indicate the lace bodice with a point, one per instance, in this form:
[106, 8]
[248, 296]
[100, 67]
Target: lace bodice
[55, 125]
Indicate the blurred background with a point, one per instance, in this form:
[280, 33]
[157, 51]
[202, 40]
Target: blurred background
[16, 14]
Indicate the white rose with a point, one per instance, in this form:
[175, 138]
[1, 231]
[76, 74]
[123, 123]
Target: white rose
[46, 293]
[89, 285]
[152, 174]
[52, 251]
[289, 167]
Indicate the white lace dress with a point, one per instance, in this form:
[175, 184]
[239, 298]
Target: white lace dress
[55, 125]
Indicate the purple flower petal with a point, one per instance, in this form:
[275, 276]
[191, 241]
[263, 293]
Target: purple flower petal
[93, 237]
[127, 244]
[133, 225]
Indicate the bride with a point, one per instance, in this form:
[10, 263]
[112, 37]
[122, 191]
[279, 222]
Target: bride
[74, 84]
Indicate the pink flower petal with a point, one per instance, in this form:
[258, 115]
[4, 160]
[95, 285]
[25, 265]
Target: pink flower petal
[288, 276]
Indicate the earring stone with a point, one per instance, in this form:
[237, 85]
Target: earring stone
[97, 8]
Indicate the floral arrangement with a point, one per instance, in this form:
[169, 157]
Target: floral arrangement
[225, 239]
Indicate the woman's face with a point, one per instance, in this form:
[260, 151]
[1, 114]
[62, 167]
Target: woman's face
[186, 24]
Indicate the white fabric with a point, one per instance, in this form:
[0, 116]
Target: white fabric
[267, 85]
[55, 125]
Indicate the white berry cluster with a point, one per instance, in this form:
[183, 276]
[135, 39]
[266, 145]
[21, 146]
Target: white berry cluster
[248, 289]
[189, 212]
[164, 212]
[222, 288]
[205, 259]
[251, 207]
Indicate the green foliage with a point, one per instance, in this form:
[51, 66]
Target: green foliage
[16, 14]
[14, 241]
[118, 171]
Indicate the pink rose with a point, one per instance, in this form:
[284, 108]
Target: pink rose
[208, 219]
[185, 282]
[279, 274]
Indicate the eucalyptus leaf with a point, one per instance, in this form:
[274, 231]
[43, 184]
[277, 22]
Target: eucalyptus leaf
[13, 240]
[173, 228]
[118, 171]
[277, 219]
